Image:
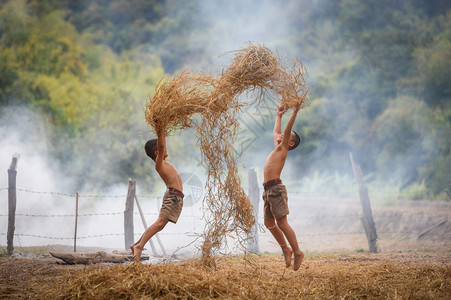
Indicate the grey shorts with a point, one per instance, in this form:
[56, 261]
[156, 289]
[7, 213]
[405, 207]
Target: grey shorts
[276, 201]
[171, 207]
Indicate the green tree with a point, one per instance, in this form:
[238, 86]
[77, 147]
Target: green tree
[401, 139]
[434, 67]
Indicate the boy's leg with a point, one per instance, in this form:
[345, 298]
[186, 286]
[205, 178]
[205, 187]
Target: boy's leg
[280, 238]
[138, 247]
[291, 237]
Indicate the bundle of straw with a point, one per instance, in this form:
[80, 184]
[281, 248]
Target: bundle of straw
[291, 86]
[251, 67]
[255, 67]
[176, 101]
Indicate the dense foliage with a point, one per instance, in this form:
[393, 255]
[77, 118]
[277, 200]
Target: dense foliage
[380, 72]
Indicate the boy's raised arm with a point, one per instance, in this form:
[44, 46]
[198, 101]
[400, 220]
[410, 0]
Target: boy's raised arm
[278, 124]
[161, 146]
[287, 131]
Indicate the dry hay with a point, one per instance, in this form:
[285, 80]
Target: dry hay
[176, 101]
[211, 105]
[377, 276]
[256, 67]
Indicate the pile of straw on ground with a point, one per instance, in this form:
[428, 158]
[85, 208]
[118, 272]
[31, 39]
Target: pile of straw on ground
[356, 276]
[211, 105]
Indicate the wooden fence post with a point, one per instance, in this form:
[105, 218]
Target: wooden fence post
[11, 203]
[254, 197]
[76, 221]
[128, 214]
[367, 220]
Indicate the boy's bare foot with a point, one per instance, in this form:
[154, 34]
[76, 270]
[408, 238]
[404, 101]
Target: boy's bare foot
[136, 252]
[298, 258]
[287, 253]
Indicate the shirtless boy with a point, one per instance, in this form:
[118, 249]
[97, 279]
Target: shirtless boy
[275, 193]
[172, 199]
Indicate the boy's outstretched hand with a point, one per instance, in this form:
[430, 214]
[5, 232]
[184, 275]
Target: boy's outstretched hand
[297, 107]
[280, 110]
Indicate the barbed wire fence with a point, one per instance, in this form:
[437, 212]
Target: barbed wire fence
[34, 225]
[27, 216]
[49, 216]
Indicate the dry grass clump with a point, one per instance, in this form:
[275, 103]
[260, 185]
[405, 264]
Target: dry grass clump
[256, 67]
[211, 105]
[228, 209]
[176, 101]
[291, 85]
[252, 67]
[264, 277]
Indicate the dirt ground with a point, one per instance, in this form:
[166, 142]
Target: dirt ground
[23, 273]
[17, 276]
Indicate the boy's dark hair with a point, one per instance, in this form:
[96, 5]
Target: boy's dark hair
[151, 147]
[296, 140]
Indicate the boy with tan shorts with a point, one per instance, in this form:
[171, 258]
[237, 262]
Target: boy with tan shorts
[172, 199]
[275, 193]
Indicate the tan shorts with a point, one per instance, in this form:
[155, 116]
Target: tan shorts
[276, 201]
[171, 207]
